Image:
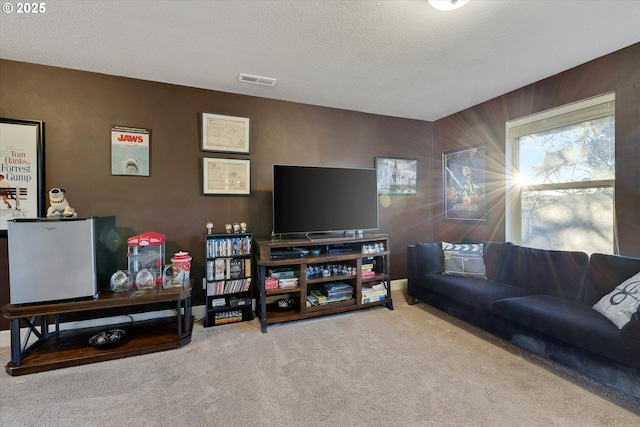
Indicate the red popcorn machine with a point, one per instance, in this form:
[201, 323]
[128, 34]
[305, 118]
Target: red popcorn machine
[146, 250]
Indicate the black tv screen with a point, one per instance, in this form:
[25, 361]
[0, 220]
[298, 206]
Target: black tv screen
[309, 199]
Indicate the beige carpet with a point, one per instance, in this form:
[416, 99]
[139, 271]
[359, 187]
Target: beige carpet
[410, 367]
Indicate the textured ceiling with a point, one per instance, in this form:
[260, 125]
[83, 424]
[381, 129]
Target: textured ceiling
[396, 58]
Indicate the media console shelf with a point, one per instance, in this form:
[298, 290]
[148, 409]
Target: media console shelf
[60, 349]
[362, 263]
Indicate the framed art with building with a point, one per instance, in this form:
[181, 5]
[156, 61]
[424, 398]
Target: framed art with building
[227, 134]
[464, 184]
[397, 176]
[21, 170]
[226, 176]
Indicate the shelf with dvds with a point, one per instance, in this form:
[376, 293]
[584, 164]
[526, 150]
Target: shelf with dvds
[302, 278]
[228, 278]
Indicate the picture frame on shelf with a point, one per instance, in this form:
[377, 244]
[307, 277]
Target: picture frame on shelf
[22, 170]
[225, 134]
[464, 179]
[397, 176]
[226, 176]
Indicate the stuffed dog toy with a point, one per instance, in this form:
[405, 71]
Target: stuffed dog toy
[59, 204]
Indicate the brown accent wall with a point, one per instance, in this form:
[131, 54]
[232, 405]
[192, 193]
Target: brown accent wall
[79, 108]
[485, 124]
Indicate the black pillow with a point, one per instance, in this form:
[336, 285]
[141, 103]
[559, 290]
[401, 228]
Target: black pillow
[429, 258]
[632, 328]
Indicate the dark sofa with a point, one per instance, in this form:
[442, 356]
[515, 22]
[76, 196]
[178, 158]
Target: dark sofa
[540, 300]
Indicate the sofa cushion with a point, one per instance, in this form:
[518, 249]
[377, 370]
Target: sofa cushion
[464, 259]
[571, 322]
[620, 304]
[605, 273]
[547, 272]
[473, 291]
[632, 329]
[429, 258]
[496, 259]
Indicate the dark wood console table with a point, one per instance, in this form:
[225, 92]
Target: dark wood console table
[60, 349]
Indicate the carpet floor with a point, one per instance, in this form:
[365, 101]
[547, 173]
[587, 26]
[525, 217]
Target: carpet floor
[413, 366]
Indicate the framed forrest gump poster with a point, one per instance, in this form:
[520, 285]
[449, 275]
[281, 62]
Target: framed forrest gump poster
[464, 177]
[21, 170]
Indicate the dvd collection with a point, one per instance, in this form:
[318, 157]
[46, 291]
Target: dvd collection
[228, 247]
[228, 286]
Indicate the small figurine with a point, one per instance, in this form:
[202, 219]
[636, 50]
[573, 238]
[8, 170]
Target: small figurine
[236, 227]
[243, 227]
[209, 227]
[59, 204]
[227, 228]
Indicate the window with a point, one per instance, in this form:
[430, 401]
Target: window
[561, 176]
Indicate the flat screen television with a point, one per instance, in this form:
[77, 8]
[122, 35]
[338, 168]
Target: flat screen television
[315, 200]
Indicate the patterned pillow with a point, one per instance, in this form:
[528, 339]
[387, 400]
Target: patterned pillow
[464, 259]
[621, 304]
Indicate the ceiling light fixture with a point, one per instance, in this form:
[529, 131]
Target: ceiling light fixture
[447, 4]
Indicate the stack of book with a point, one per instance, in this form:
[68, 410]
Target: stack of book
[368, 269]
[330, 293]
[288, 282]
[373, 293]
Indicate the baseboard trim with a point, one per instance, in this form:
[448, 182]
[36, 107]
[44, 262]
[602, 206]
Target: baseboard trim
[198, 312]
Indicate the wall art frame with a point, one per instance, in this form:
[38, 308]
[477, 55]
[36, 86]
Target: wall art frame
[464, 179]
[226, 134]
[130, 151]
[226, 176]
[397, 176]
[22, 169]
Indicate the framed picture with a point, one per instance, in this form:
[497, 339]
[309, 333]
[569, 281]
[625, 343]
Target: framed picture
[21, 170]
[130, 151]
[226, 176]
[225, 133]
[464, 173]
[397, 176]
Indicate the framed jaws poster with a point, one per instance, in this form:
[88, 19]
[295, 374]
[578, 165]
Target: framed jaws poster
[130, 151]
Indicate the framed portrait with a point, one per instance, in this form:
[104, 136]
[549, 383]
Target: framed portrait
[464, 178]
[227, 134]
[226, 176]
[397, 176]
[21, 170]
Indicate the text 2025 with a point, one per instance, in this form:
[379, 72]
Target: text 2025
[31, 8]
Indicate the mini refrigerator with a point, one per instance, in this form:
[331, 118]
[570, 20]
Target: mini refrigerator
[54, 259]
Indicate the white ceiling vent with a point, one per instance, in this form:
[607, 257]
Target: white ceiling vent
[248, 78]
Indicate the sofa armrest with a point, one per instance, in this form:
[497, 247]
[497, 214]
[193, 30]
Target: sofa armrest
[412, 267]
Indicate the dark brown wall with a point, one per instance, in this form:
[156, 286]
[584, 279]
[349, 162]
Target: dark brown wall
[485, 124]
[79, 108]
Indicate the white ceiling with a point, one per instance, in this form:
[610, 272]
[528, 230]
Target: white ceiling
[393, 57]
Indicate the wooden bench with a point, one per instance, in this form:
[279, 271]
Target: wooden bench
[14, 193]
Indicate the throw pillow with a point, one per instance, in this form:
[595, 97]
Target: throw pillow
[429, 258]
[620, 304]
[464, 259]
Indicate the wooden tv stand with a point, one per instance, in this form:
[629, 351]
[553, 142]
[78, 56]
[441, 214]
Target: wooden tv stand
[60, 349]
[340, 252]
